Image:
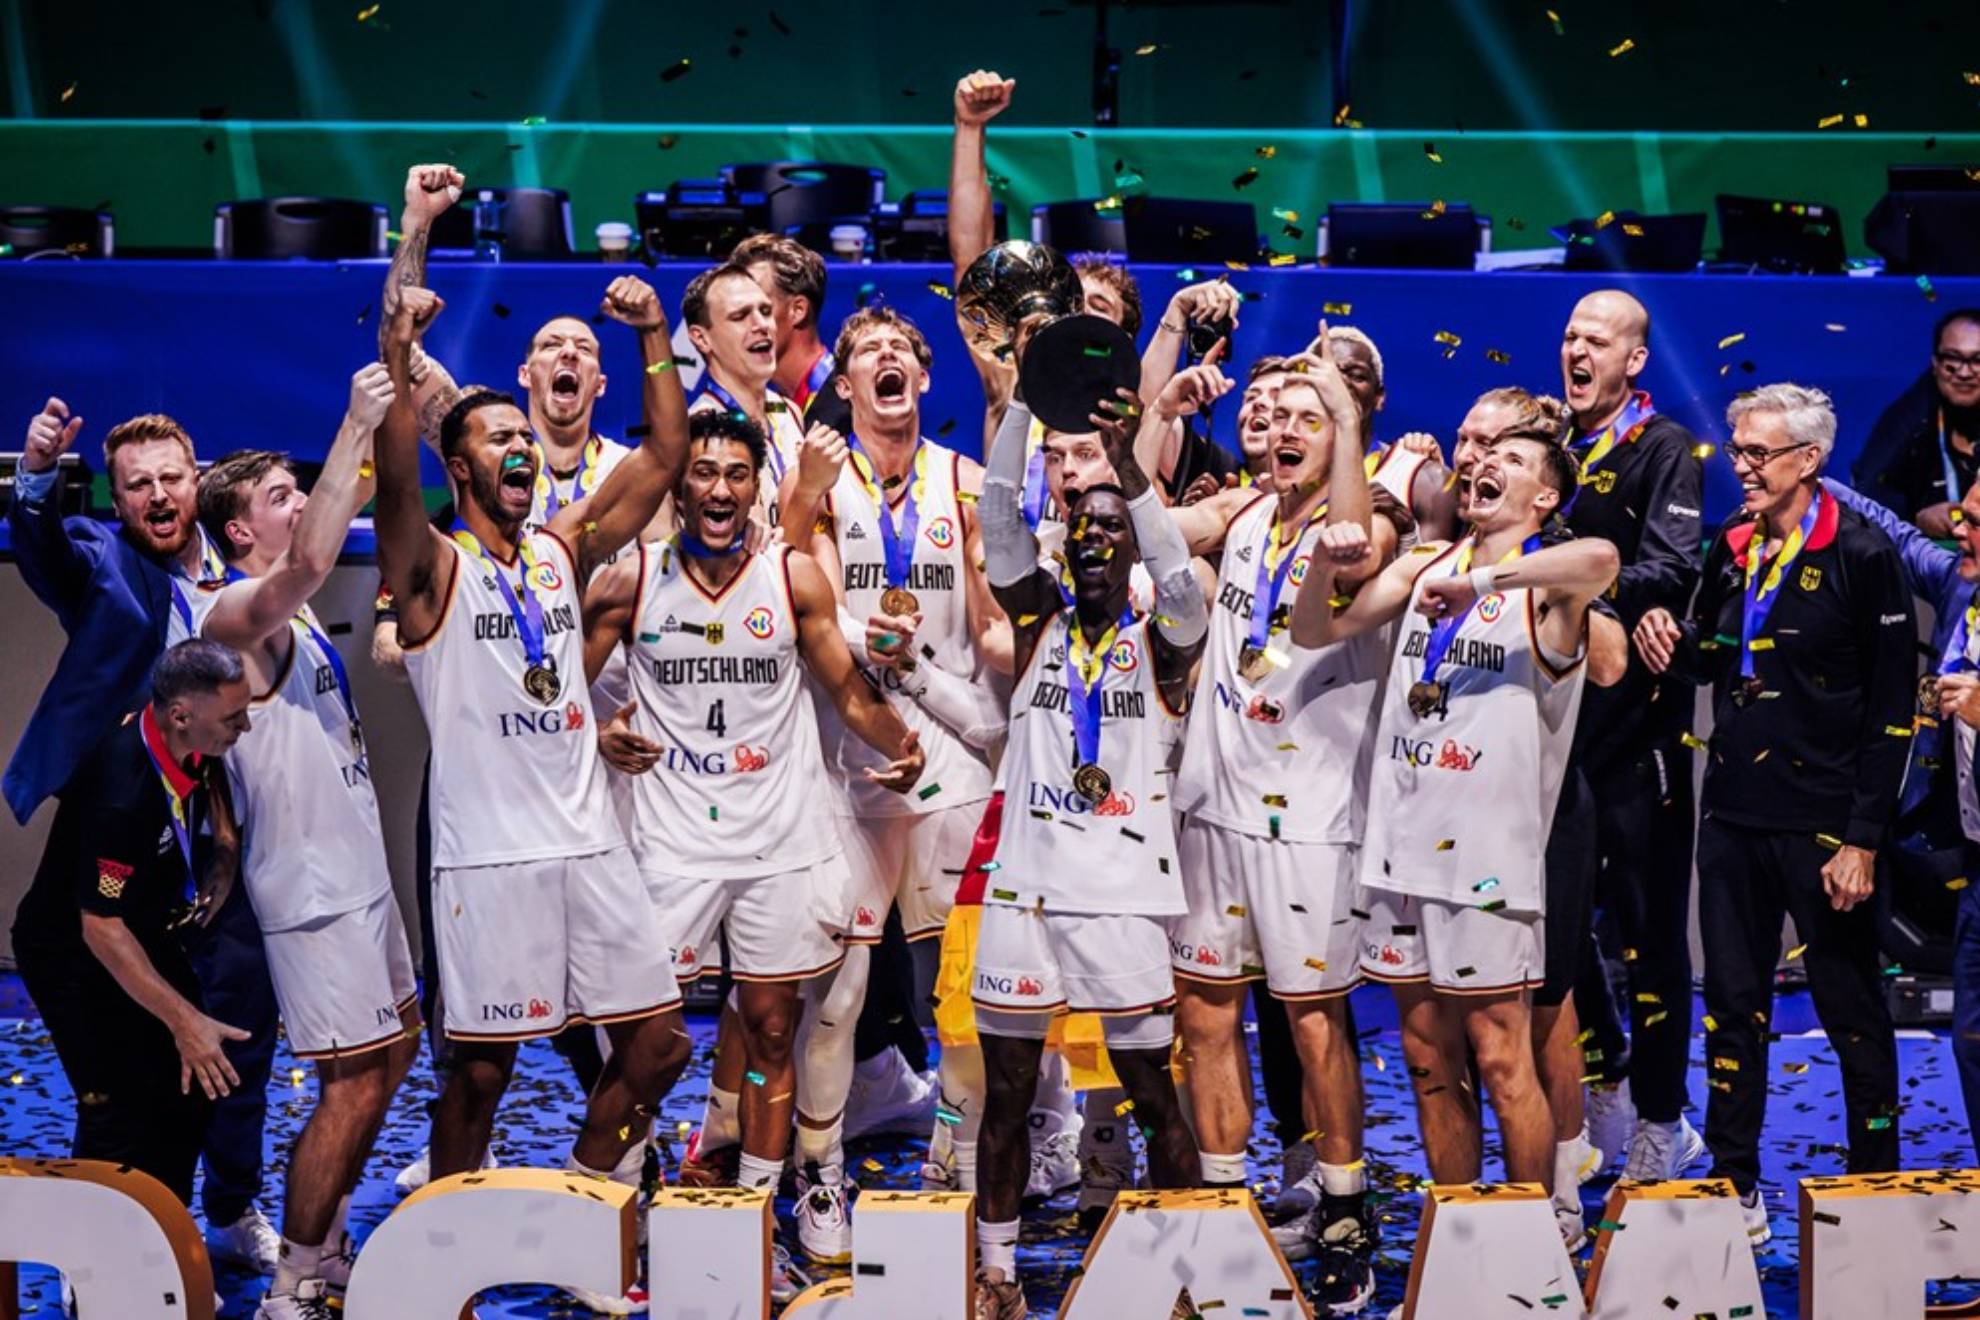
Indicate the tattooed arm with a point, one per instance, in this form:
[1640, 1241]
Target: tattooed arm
[430, 190]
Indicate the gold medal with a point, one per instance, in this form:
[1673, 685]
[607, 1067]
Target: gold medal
[1425, 697]
[1253, 663]
[1747, 691]
[899, 602]
[542, 684]
[1928, 694]
[1092, 783]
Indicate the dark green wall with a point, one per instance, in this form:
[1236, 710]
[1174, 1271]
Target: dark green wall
[1711, 65]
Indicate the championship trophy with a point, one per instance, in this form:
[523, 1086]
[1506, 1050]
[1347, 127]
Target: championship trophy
[1024, 300]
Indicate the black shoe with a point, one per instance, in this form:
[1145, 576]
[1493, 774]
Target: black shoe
[1345, 1278]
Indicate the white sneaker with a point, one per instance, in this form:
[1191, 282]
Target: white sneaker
[250, 1241]
[1611, 1117]
[420, 1172]
[1574, 1228]
[1299, 1182]
[631, 1302]
[1054, 1164]
[1662, 1150]
[1754, 1211]
[334, 1268]
[824, 1230]
[938, 1171]
[787, 1280]
[1299, 1237]
[311, 1301]
[887, 1097]
[1588, 1157]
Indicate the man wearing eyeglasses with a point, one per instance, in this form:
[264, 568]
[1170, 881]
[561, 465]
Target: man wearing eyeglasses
[1803, 627]
[1921, 456]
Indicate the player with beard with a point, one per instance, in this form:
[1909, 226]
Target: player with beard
[732, 323]
[721, 742]
[542, 919]
[901, 543]
[1075, 916]
[314, 864]
[1640, 488]
[561, 376]
[1476, 717]
[794, 277]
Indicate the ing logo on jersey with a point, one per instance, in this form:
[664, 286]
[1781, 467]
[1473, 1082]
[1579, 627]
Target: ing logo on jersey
[1490, 607]
[760, 623]
[941, 533]
[1122, 658]
[545, 577]
[1297, 573]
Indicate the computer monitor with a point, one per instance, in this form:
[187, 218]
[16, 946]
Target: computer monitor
[1627, 241]
[1932, 178]
[1788, 238]
[1180, 231]
[1403, 235]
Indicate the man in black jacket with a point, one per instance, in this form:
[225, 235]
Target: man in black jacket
[1921, 455]
[1803, 626]
[1640, 491]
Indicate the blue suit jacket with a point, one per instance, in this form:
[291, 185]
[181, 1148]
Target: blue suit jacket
[113, 600]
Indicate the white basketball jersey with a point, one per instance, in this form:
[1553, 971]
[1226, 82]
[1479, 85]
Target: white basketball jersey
[595, 462]
[1395, 471]
[1462, 799]
[1969, 806]
[312, 844]
[936, 577]
[513, 779]
[1060, 850]
[1283, 755]
[720, 688]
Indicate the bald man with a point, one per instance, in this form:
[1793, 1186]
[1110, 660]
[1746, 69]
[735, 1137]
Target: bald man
[1640, 490]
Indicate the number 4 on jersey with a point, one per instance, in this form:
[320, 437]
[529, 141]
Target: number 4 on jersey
[718, 723]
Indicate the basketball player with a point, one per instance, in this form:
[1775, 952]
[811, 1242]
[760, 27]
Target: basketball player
[794, 277]
[1086, 873]
[1271, 787]
[722, 743]
[314, 863]
[1476, 718]
[542, 919]
[900, 527]
[733, 325]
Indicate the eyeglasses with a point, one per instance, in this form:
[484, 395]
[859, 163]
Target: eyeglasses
[1956, 363]
[1758, 456]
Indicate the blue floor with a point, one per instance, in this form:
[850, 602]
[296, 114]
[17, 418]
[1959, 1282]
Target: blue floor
[1804, 1136]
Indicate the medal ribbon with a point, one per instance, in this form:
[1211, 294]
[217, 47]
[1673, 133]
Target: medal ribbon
[1589, 451]
[896, 541]
[171, 776]
[1763, 581]
[1444, 631]
[306, 620]
[1275, 561]
[814, 380]
[1954, 661]
[709, 385]
[546, 483]
[526, 610]
[1034, 487]
[1086, 676]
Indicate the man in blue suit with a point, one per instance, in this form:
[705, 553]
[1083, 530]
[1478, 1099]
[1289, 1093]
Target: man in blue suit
[124, 593]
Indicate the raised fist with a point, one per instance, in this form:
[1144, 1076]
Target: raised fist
[430, 190]
[417, 308]
[49, 436]
[371, 394]
[982, 96]
[632, 301]
[821, 454]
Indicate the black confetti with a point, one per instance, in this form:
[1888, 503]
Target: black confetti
[779, 24]
[677, 70]
[209, 146]
[501, 311]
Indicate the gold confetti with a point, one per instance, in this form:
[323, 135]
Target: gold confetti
[1796, 1068]
[1337, 309]
[1498, 355]
[1828, 121]
[1604, 220]
[1730, 340]
[941, 290]
[1437, 208]
[1862, 121]
[364, 14]
[367, 470]
[1281, 259]
[1796, 952]
[1146, 50]
[1711, 1023]
[1265, 153]
[1341, 115]
[1972, 79]
[1430, 150]
[1448, 339]
[1123, 1107]
[1285, 213]
[68, 92]
[1628, 45]
[1634, 231]
[1560, 29]
[1957, 882]
[296, 1076]
[1445, 845]
[1701, 451]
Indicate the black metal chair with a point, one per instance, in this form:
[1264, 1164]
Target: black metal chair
[806, 192]
[534, 224]
[72, 229]
[298, 229]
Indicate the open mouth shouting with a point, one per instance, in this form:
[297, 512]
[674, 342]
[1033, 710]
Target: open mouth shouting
[720, 519]
[518, 482]
[1484, 491]
[564, 388]
[890, 386]
[1580, 384]
[763, 350]
[1288, 454]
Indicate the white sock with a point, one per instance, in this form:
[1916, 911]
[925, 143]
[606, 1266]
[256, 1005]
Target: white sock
[294, 1263]
[965, 1156]
[1222, 1170]
[754, 1171]
[721, 1119]
[1567, 1164]
[1343, 1179]
[1053, 1107]
[996, 1246]
[822, 1147]
[572, 1164]
[631, 1164]
[333, 1242]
